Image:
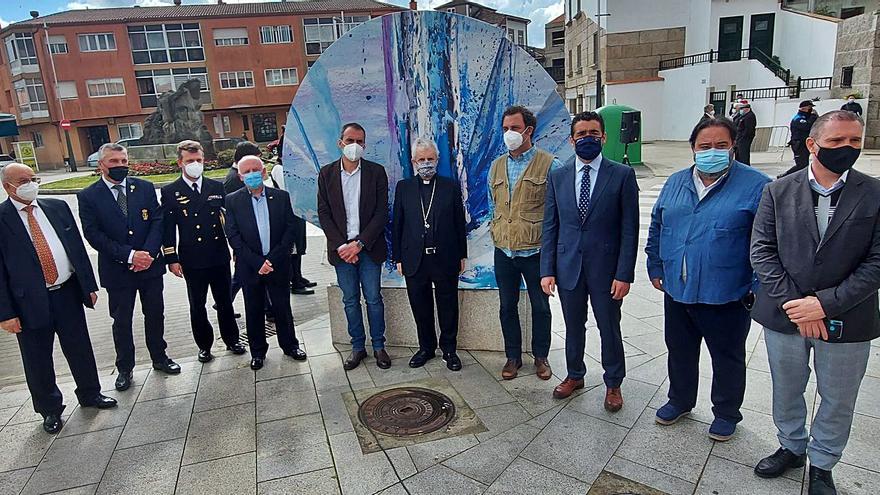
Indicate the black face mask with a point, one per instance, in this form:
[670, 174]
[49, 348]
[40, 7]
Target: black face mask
[838, 160]
[118, 174]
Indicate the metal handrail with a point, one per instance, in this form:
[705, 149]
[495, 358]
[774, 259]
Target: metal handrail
[728, 56]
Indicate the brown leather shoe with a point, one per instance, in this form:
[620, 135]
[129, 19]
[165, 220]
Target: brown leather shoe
[511, 369]
[383, 360]
[542, 368]
[566, 388]
[613, 399]
[353, 360]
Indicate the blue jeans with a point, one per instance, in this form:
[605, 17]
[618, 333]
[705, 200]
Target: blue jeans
[840, 368]
[366, 274]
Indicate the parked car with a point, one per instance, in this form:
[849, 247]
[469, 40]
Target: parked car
[93, 158]
[5, 160]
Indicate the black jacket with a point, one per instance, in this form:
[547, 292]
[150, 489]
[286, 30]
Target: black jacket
[232, 182]
[801, 124]
[23, 293]
[199, 220]
[447, 218]
[852, 107]
[745, 126]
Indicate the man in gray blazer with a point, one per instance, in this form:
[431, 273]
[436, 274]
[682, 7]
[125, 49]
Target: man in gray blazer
[816, 253]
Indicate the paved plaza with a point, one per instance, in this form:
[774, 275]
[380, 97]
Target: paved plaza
[221, 428]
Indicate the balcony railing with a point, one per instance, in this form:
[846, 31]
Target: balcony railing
[783, 92]
[728, 56]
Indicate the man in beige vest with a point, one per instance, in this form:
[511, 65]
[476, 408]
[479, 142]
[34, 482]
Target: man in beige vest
[517, 182]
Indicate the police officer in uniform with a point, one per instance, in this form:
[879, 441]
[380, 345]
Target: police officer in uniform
[800, 127]
[193, 206]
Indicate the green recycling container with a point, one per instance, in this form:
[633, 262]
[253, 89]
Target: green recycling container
[615, 147]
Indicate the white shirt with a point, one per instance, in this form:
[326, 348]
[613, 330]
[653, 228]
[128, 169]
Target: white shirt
[62, 262]
[114, 192]
[702, 189]
[578, 174]
[190, 183]
[351, 196]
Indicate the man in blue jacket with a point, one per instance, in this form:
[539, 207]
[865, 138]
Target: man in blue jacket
[698, 254]
[122, 220]
[589, 244]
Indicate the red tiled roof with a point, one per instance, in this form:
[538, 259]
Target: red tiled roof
[558, 20]
[181, 12]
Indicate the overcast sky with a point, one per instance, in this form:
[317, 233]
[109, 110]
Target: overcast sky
[539, 11]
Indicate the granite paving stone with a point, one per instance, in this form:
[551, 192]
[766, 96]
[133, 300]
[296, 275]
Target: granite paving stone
[653, 371]
[146, 469]
[500, 418]
[160, 385]
[755, 439]
[236, 474]
[23, 445]
[11, 482]
[402, 462]
[157, 420]
[542, 420]
[320, 482]
[535, 396]
[401, 373]
[440, 479]
[425, 455]
[66, 466]
[478, 388]
[12, 397]
[636, 396]
[333, 411]
[852, 480]
[723, 476]
[649, 477]
[486, 461]
[278, 366]
[220, 433]
[863, 449]
[868, 402]
[286, 397]
[359, 473]
[292, 446]
[6, 414]
[225, 388]
[397, 489]
[86, 419]
[79, 490]
[523, 477]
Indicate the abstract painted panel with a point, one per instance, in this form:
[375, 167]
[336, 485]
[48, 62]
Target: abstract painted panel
[443, 76]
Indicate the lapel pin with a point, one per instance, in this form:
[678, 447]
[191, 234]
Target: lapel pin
[176, 193]
[145, 213]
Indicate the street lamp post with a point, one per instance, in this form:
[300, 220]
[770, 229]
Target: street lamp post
[71, 160]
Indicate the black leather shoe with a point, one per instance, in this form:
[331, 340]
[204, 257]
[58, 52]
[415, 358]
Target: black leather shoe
[205, 356]
[452, 361]
[296, 353]
[123, 381]
[234, 315]
[353, 360]
[52, 423]
[237, 349]
[308, 283]
[301, 291]
[100, 401]
[821, 482]
[383, 360]
[778, 463]
[420, 358]
[168, 366]
[256, 363]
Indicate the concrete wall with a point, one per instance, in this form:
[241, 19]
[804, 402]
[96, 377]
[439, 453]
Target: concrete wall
[684, 96]
[644, 96]
[636, 55]
[744, 74]
[812, 53]
[642, 15]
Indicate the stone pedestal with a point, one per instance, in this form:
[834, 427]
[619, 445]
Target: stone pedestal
[479, 327]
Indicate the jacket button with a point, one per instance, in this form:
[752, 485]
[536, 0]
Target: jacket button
[216, 237]
[507, 203]
[198, 226]
[196, 214]
[199, 239]
[130, 232]
[215, 225]
[509, 220]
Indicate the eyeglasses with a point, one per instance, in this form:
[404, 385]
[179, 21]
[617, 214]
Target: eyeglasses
[35, 180]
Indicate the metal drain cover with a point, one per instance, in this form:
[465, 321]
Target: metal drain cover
[406, 411]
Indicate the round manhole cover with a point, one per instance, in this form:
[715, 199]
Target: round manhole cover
[406, 411]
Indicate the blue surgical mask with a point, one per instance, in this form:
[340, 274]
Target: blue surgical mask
[588, 148]
[712, 161]
[253, 180]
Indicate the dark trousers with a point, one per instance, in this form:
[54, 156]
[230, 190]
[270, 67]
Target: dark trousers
[801, 156]
[198, 280]
[121, 302]
[235, 286]
[296, 276]
[607, 313]
[725, 328]
[255, 315]
[743, 151]
[509, 274]
[418, 288]
[36, 345]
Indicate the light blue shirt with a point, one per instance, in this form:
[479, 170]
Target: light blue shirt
[261, 214]
[579, 176]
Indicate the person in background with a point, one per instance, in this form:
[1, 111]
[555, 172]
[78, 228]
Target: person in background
[708, 113]
[735, 105]
[698, 256]
[746, 124]
[816, 252]
[852, 105]
[800, 129]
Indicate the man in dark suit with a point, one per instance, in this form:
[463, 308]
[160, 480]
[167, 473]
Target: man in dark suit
[429, 244]
[193, 205]
[746, 123]
[45, 280]
[122, 220]
[353, 210]
[591, 232]
[816, 253]
[260, 229]
[232, 182]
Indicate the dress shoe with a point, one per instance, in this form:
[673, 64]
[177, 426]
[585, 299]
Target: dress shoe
[205, 356]
[453, 363]
[613, 399]
[52, 423]
[567, 387]
[307, 283]
[234, 315]
[542, 368]
[511, 369]
[237, 349]
[353, 360]
[669, 414]
[123, 381]
[821, 482]
[383, 360]
[777, 464]
[168, 366]
[420, 358]
[301, 291]
[721, 430]
[256, 363]
[296, 353]
[100, 401]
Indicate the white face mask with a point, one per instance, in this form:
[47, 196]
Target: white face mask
[513, 140]
[28, 192]
[353, 151]
[194, 169]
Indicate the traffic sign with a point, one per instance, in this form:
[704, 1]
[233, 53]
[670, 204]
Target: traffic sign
[65, 124]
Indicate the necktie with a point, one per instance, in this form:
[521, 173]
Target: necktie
[584, 198]
[121, 200]
[196, 188]
[47, 262]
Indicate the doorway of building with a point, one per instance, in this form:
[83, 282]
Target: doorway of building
[730, 33]
[265, 127]
[97, 135]
[761, 33]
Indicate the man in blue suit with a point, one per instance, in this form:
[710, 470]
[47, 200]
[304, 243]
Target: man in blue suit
[45, 280]
[122, 220]
[591, 233]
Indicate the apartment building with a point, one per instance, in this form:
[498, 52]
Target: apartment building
[104, 69]
[554, 52]
[584, 45]
[516, 27]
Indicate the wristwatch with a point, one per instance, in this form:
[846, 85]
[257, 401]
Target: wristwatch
[361, 243]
